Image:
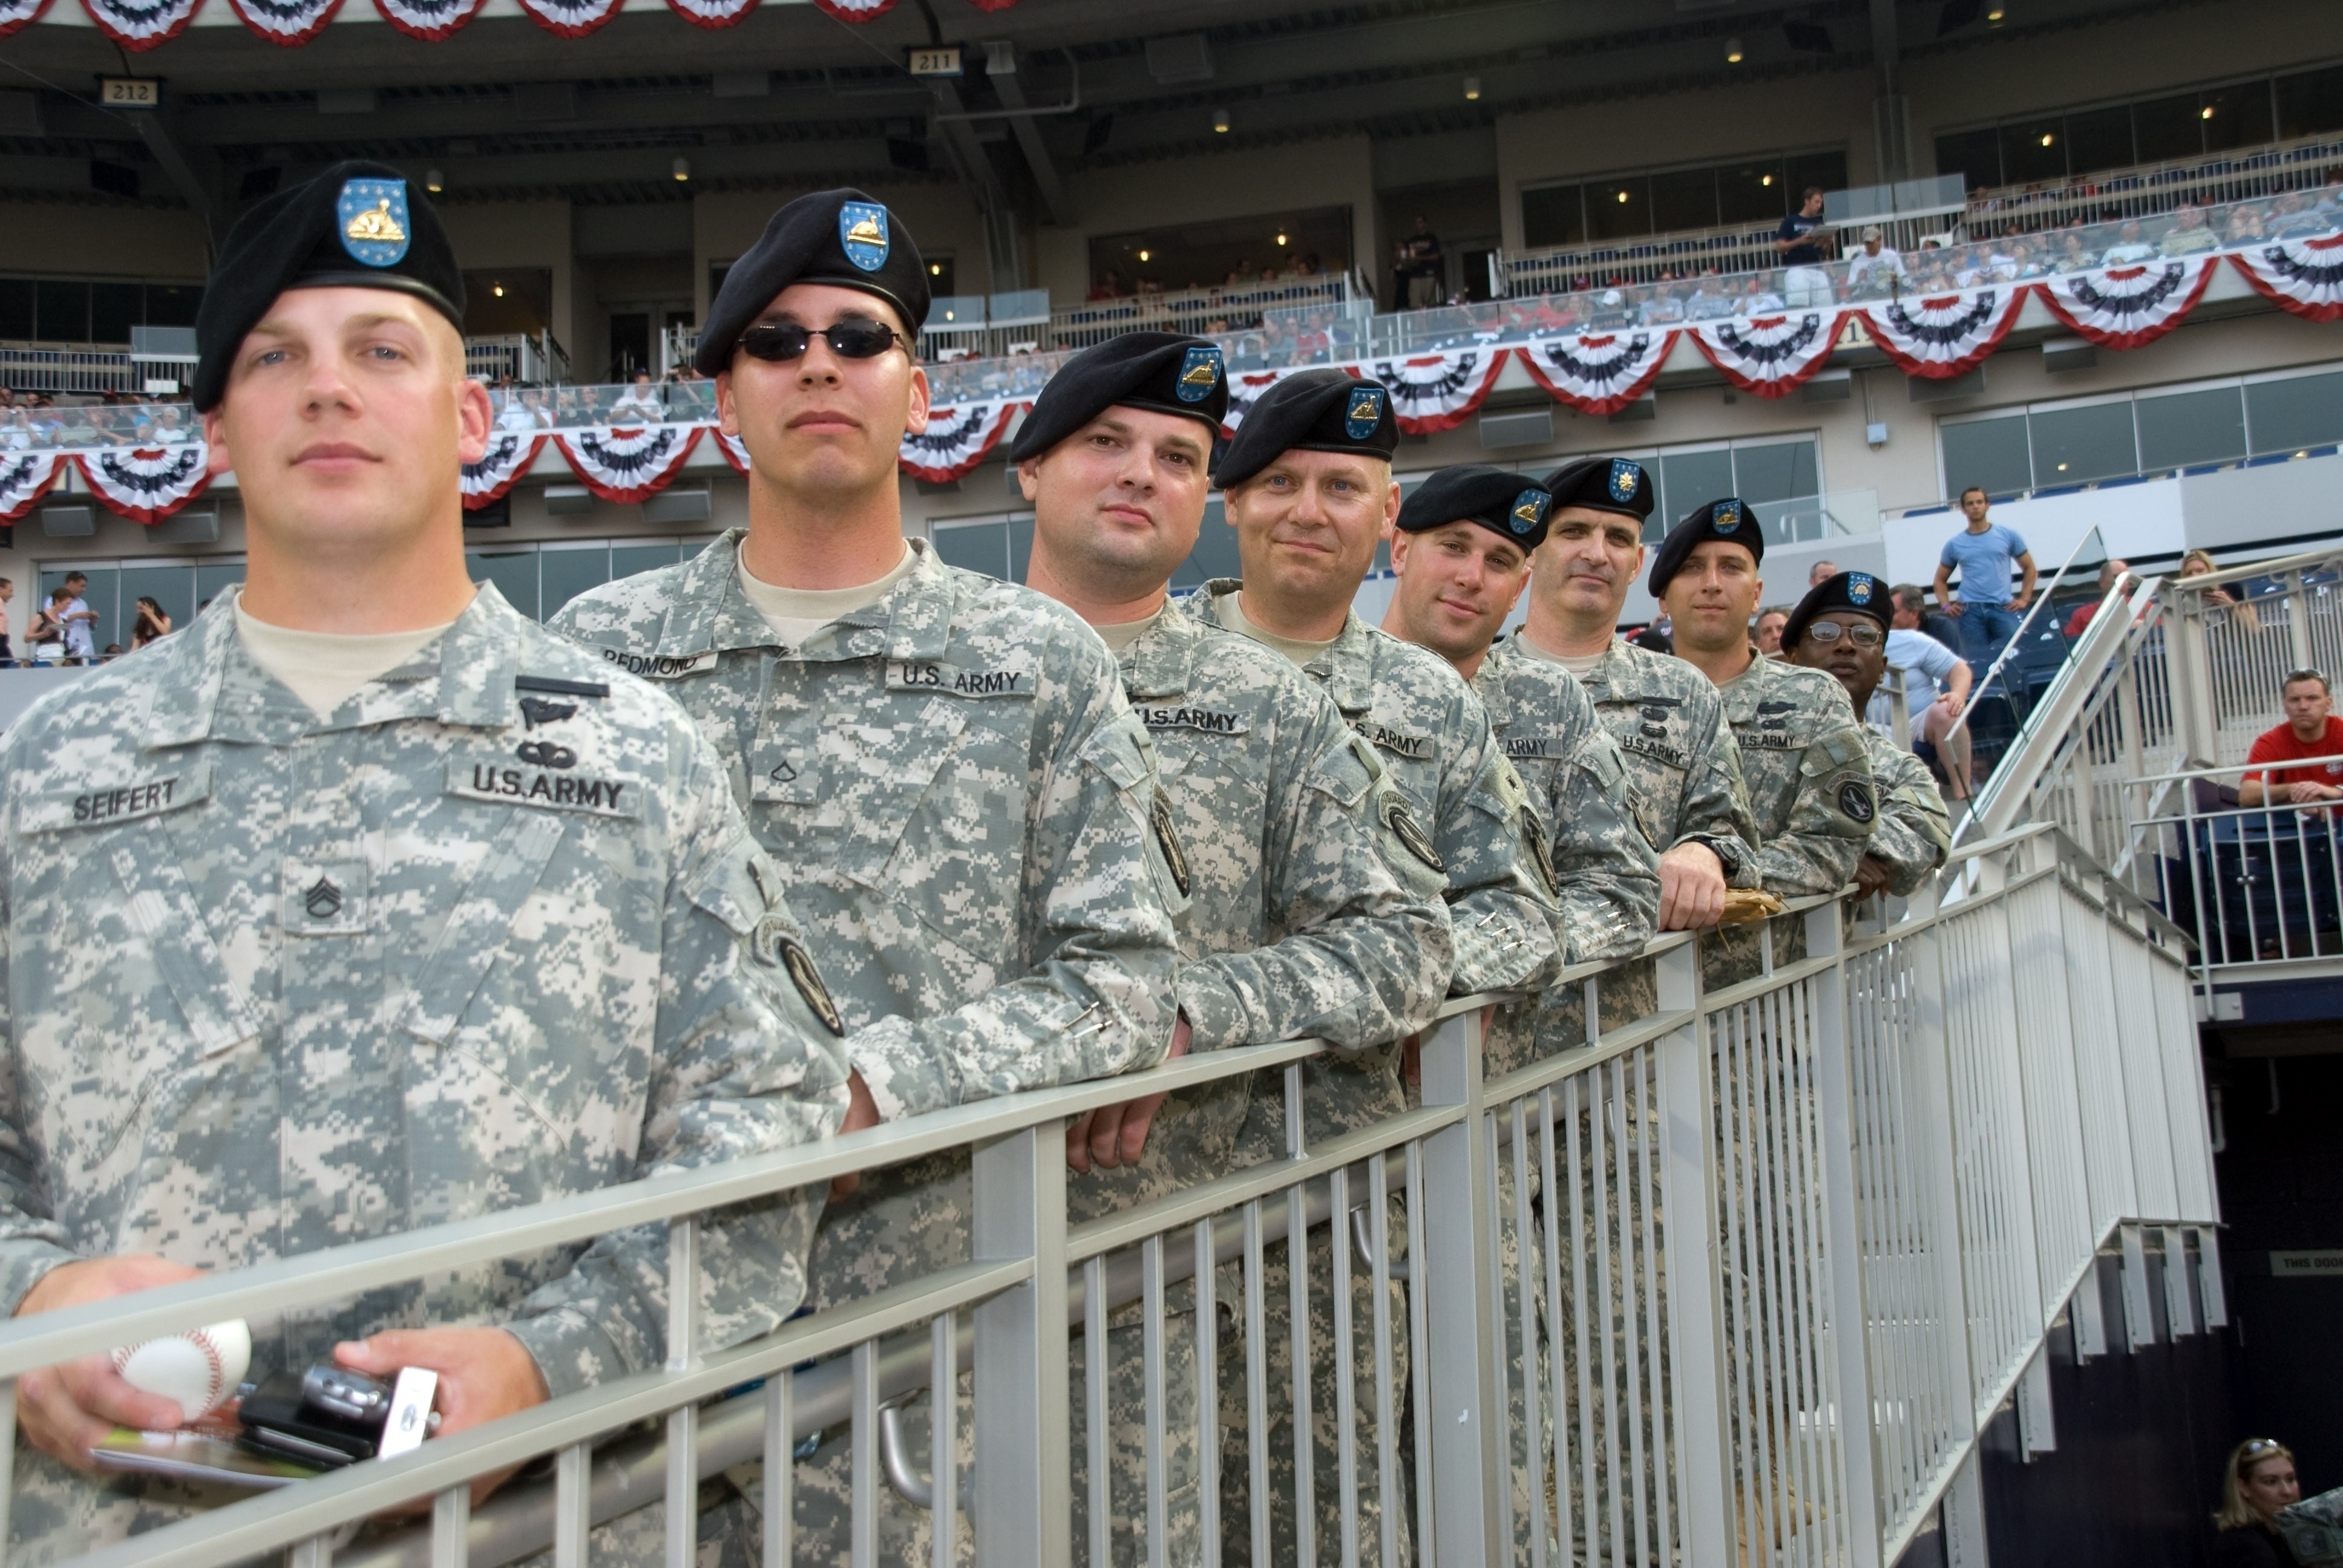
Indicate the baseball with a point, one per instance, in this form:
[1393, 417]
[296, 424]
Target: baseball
[199, 1370]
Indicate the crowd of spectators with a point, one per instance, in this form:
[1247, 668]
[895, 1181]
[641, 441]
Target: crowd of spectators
[63, 627]
[45, 421]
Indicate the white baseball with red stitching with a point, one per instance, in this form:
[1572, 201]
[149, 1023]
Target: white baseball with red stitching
[198, 1370]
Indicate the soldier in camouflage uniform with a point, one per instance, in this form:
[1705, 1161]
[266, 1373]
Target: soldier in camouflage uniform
[1309, 492]
[312, 938]
[1295, 926]
[1840, 627]
[963, 804]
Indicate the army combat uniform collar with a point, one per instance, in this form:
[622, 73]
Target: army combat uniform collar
[1346, 670]
[711, 615]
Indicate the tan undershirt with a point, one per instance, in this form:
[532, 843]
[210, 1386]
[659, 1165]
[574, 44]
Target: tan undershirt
[1232, 616]
[1580, 664]
[325, 669]
[795, 615]
[1123, 633]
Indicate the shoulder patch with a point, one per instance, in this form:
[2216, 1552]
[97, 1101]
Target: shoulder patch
[791, 955]
[1408, 831]
[1541, 857]
[1855, 800]
[1167, 840]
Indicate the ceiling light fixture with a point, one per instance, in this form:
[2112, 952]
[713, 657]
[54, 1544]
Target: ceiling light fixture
[2047, 138]
[935, 269]
[1280, 237]
[1767, 180]
[433, 181]
[1622, 198]
[2206, 113]
[682, 169]
[498, 290]
[1732, 51]
[1221, 120]
[1143, 255]
[1994, 14]
[1471, 89]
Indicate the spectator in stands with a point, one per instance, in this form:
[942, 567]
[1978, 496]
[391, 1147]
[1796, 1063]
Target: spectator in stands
[80, 622]
[1709, 300]
[2128, 246]
[169, 429]
[1875, 270]
[1758, 299]
[46, 636]
[2259, 1481]
[1987, 611]
[1422, 265]
[1800, 243]
[524, 411]
[2188, 235]
[17, 435]
[2110, 573]
[639, 404]
[1665, 309]
[1919, 655]
[1820, 573]
[1111, 286]
[2291, 218]
[2243, 227]
[2242, 613]
[154, 623]
[7, 652]
[1768, 635]
[2074, 255]
[2311, 731]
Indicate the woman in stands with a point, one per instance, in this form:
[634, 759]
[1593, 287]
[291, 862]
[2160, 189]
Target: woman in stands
[2242, 614]
[153, 622]
[2257, 1482]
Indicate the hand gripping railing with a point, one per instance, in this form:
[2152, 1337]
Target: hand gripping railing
[1620, 1301]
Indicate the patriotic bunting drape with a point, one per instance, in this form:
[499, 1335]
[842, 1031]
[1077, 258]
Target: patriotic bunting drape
[856, 10]
[287, 22]
[627, 465]
[1598, 373]
[146, 484]
[508, 457]
[1435, 392]
[18, 13]
[712, 13]
[138, 25]
[736, 450]
[570, 18]
[1245, 388]
[429, 20]
[2126, 306]
[25, 478]
[1770, 355]
[958, 437]
[2303, 276]
[1937, 337]
[143, 24]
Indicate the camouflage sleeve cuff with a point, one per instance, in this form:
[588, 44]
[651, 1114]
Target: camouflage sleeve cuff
[903, 1078]
[572, 1353]
[23, 1264]
[1216, 1015]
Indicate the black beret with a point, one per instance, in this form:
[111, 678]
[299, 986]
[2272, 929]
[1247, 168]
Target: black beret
[840, 238]
[1618, 485]
[1162, 371]
[1498, 499]
[1857, 591]
[1313, 411]
[357, 226]
[1729, 519]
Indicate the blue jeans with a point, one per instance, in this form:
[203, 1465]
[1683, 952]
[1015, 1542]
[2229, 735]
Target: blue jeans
[1985, 630]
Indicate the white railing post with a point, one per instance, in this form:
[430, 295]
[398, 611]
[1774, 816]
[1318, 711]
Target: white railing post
[2197, 727]
[1849, 1323]
[1022, 1509]
[1695, 1279]
[1468, 1411]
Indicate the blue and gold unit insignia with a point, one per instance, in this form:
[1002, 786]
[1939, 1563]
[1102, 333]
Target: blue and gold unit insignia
[1724, 517]
[1199, 372]
[1623, 476]
[1364, 413]
[374, 221]
[862, 234]
[1858, 588]
[1529, 510]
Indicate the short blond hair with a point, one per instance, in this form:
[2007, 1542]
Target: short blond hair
[2236, 1514]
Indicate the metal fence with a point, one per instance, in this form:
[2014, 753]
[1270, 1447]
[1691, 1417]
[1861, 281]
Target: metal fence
[1735, 1282]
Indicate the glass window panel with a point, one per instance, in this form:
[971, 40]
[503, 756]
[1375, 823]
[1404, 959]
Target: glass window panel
[1021, 546]
[627, 560]
[1683, 199]
[1553, 215]
[16, 307]
[2310, 102]
[2168, 128]
[2190, 428]
[2240, 115]
[1750, 193]
[1215, 555]
[2073, 446]
[513, 571]
[214, 579]
[2298, 412]
[173, 304]
[62, 311]
[172, 587]
[1686, 479]
[974, 547]
[1618, 210]
[1988, 452]
[1975, 155]
[2099, 140]
[2033, 150]
[114, 309]
[565, 574]
[1778, 471]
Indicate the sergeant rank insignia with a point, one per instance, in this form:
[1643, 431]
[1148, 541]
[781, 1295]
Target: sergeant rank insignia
[1199, 372]
[374, 221]
[1364, 413]
[862, 234]
[1623, 474]
[1529, 510]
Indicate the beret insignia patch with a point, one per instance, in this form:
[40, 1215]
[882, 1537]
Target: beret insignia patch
[1403, 827]
[1364, 413]
[862, 234]
[374, 221]
[808, 980]
[1724, 517]
[1167, 839]
[1529, 510]
[1854, 799]
[1858, 588]
[1623, 474]
[1199, 372]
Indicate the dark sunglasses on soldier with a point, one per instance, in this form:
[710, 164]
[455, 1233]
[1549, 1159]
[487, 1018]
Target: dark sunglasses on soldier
[781, 341]
[1865, 634]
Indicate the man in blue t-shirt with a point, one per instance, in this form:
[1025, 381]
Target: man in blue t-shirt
[1987, 614]
[1801, 241]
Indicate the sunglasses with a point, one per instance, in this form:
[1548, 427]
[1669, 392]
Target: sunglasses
[1825, 632]
[2304, 673]
[779, 342]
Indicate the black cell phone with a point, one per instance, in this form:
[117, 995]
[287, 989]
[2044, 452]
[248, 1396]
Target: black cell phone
[279, 1417]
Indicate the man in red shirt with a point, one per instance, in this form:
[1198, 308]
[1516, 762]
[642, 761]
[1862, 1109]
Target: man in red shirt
[2109, 574]
[2311, 729]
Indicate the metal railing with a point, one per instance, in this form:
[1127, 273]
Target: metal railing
[532, 359]
[1738, 1279]
[2252, 885]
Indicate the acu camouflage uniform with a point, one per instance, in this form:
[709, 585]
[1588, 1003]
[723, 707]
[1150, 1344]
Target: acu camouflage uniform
[491, 932]
[1915, 831]
[1295, 927]
[965, 810]
[1456, 789]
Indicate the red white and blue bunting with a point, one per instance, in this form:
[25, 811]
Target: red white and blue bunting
[856, 10]
[25, 478]
[291, 22]
[735, 451]
[18, 13]
[1598, 373]
[146, 484]
[2126, 306]
[510, 455]
[571, 18]
[2303, 276]
[628, 464]
[1435, 392]
[712, 13]
[958, 437]
[1770, 355]
[1937, 337]
[432, 21]
[1245, 389]
[138, 25]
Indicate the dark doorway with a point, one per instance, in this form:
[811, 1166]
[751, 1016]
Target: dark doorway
[630, 344]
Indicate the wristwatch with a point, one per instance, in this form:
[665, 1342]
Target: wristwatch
[1720, 848]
